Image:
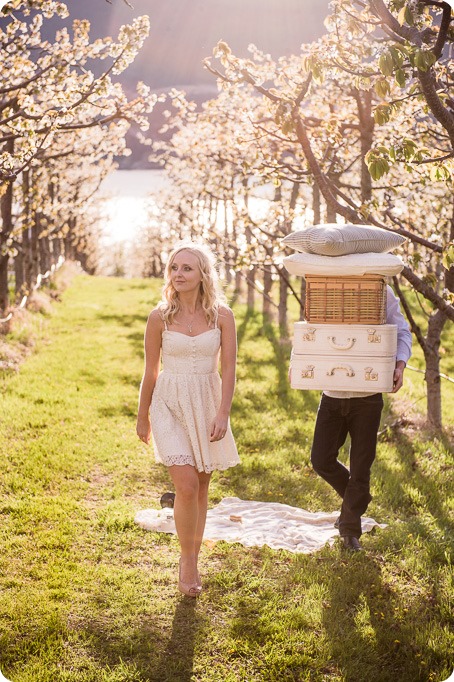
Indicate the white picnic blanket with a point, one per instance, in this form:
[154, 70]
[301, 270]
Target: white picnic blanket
[254, 524]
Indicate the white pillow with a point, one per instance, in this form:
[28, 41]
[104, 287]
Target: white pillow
[338, 240]
[302, 264]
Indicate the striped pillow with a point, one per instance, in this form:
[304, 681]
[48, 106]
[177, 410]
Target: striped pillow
[339, 240]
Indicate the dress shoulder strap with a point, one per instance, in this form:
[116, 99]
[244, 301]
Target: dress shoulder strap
[216, 318]
[164, 321]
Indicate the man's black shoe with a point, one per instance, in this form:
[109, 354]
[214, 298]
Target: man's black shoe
[351, 543]
[336, 523]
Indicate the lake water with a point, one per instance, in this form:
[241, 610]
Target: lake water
[127, 196]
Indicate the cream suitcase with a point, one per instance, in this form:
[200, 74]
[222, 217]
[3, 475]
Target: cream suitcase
[345, 340]
[337, 373]
[341, 357]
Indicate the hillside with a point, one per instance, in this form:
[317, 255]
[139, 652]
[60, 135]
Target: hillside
[183, 34]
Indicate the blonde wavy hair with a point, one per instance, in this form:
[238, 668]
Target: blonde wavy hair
[211, 295]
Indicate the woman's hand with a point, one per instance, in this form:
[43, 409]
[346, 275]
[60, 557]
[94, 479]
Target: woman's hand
[219, 427]
[143, 429]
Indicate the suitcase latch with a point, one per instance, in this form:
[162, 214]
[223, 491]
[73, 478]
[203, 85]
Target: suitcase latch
[308, 373]
[370, 375]
[373, 337]
[309, 335]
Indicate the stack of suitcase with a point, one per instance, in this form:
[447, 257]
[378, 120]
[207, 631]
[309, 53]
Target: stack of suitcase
[344, 344]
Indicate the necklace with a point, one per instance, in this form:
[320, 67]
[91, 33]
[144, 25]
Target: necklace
[190, 324]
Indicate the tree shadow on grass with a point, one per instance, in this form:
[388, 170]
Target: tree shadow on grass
[281, 350]
[286, 396]
[136, 340]
[271, 402]
[370, 636]
[250, 318]
[357, 627]
[124, 410]
[428, 487]
[123, 321]
[91, 378]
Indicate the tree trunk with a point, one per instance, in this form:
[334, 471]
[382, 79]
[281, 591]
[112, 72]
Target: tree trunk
[366, 126]
[303, 298]
[6, 209]
[282, 310]
[251, 275]
[69, 246]
[252, 272]
[34, 249]
[432, 376]
[19, 273]
[20, 262]
[235, 251]
[267, 284]
[316, 207]
[4, 292]
[228, 273]
[56, 250]
[283, 286]
[27, 254]
[331, 213]
[293, 199]
[449, 274]
[44, 254]
[326, 187]
[238, 282]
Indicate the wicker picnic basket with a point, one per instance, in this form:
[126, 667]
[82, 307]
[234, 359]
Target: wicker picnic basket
[346, 300]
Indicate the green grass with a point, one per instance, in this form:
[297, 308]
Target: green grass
[87, 596]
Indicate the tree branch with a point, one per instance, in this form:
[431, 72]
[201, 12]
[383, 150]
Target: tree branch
[426, 78]
[415, 328]
[319, 177]
[427, 291]
[441, 113]
[23, 84]
[444, 27]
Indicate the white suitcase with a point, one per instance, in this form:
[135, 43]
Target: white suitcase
[346, 340]
[340, 373]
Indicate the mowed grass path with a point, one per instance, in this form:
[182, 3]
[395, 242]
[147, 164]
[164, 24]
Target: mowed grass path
[87, 596]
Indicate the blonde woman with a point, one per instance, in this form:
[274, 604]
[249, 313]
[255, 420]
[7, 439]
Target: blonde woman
[192, 328]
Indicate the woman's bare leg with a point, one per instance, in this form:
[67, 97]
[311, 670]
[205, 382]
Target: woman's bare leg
[186, 512]
[204, 482]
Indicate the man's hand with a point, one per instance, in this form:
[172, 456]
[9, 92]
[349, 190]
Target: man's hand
[398, 378]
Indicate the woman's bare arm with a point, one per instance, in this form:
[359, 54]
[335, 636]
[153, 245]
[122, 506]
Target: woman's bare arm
[153, 341]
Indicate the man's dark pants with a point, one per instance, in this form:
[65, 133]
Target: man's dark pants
[337, 417]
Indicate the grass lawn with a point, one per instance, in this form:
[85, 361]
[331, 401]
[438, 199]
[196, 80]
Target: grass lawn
[87, 596]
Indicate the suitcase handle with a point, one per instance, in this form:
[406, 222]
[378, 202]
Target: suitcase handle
[332, 341]
[345, 368]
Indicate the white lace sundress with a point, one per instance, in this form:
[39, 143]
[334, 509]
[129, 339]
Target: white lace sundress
[185, 401]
